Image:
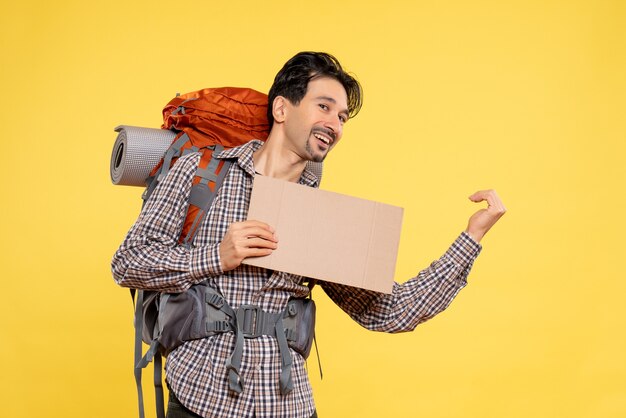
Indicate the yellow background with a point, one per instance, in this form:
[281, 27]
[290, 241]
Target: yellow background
[527, 97]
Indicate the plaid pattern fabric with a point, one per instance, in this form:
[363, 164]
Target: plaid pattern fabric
[150, 258]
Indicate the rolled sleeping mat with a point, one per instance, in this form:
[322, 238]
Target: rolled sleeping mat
[137, 150]
[135, 153]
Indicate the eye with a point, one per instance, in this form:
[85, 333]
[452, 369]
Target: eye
[343, 119]
[323, 106]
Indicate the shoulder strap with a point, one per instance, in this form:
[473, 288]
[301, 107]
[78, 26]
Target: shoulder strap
[202, 194]
[201, 197]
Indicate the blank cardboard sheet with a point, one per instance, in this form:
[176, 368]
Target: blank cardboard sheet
[328, 236]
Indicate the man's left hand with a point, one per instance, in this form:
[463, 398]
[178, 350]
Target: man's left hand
[484, 219]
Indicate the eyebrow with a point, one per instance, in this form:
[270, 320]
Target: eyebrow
[330, 99]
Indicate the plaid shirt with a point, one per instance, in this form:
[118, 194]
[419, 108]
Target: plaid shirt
[150, 258]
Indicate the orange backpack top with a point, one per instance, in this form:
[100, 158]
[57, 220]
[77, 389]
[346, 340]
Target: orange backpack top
[222, 116]
[208, 121]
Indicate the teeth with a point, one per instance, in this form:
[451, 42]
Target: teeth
[322, 138]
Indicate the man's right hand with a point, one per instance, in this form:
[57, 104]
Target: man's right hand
[246, 239]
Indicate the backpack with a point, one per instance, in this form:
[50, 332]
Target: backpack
[208, 121]
[205, 121]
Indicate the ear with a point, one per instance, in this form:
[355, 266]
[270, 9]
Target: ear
[279, 108]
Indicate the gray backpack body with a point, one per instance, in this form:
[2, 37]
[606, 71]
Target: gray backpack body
[165, 321]
[170, 319]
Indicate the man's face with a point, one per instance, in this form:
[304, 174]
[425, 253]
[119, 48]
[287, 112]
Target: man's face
[315, 125]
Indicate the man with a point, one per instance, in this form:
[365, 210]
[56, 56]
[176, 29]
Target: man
[310, 101]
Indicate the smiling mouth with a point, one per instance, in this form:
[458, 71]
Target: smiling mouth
[326, 137]
[322, 138]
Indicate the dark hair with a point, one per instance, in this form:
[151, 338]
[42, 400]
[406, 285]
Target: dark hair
[293, 79]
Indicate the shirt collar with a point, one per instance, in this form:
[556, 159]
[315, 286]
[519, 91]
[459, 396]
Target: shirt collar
[243, 154]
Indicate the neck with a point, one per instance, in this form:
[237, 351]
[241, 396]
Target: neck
[276, 159]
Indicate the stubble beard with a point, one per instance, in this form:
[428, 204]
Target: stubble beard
[316, 158]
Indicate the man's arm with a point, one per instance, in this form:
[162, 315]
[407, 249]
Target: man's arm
[414, 301]
[428, 293]
[150, 256]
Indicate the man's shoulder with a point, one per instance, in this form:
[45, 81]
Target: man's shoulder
[186, 163]
[241, 150]
[182, 171]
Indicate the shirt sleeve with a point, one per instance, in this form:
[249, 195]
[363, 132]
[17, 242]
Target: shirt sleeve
[415, 301]
[150, 257]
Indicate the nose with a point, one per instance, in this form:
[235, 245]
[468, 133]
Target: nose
[333, 123]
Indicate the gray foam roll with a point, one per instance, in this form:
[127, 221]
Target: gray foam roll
[135, 152]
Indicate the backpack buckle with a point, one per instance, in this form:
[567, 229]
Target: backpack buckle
[218, 327]
[292, 310]
[214, 300]
[250, 319]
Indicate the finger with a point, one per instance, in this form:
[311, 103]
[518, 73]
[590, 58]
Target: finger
[495, 202]
[479, 196]
[255, 231]
[256, 252]
[492, 198]
[258, 243]
[254, 223]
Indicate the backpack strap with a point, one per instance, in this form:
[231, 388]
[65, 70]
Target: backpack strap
[138, 355]
[141, 362]
[286, 383]
[172, 152]
[153, 353]
[202, 197]
[201, 194]
[158, 386]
